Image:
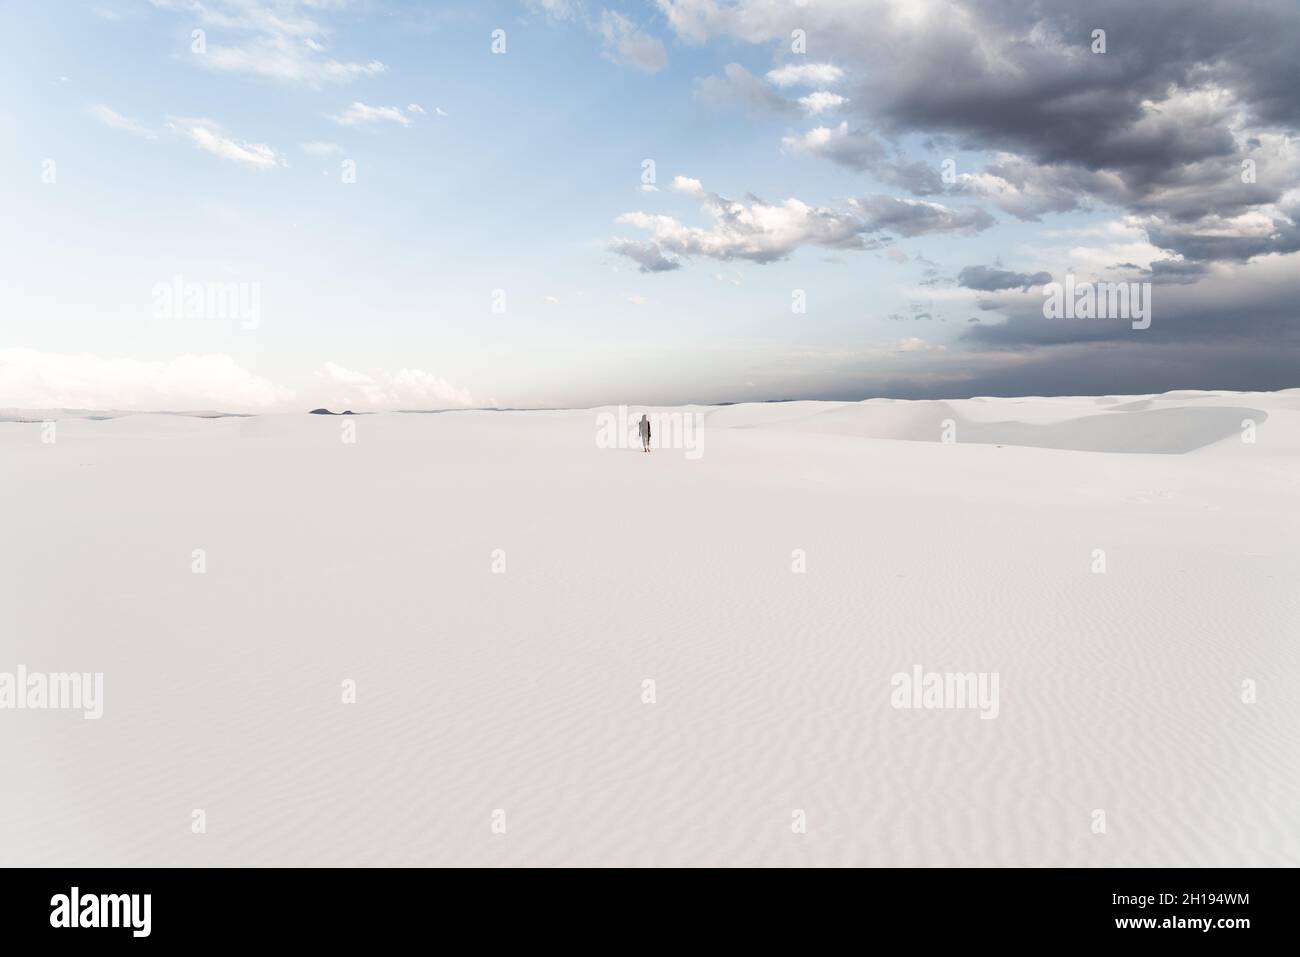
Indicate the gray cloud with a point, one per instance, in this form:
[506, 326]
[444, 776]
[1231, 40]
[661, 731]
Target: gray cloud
[763, 232]
[647, 255]
[1188, 123]
[992, 279]
[1159, 124]
[1220, 308]
[738, 87]
[914, 217]
[864, 152]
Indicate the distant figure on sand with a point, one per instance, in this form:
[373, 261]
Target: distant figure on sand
[644, 427]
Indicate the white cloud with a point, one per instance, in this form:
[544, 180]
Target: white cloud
[359, 114]
[414, 108]
[1096, 252]
[207, 135]
[404, 389]
[277, 40]
[754, 230]
[44, 380]
[553, 300]
[321, 148]
[625, 43]
[278, 58]
[763, 232]
[821, 101]
[805, 74]
[117, 121]
[637, 300]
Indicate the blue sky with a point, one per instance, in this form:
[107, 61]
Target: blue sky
[478, 172]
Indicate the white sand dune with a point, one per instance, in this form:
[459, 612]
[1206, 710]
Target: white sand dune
[1120, 692]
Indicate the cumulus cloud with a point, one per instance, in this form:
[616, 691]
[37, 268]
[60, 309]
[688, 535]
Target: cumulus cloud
[738, 87]
[754, 229]
[805, 74]
[821, 101]
[762, 232]
[403, 389]
[1160, 125]
[852, 148]
[1269, 229]
[44, 380]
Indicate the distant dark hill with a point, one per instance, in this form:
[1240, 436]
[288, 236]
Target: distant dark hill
[328, 412]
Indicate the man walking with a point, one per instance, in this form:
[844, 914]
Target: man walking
[644, 427]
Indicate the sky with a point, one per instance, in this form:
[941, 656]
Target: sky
[275, 205]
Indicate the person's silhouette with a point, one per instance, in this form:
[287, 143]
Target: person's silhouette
[644, 427]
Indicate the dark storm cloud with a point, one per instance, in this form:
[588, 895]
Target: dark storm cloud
[1208, 239]
[1146, 125]
[1159, 124]
[1176, 271]
[1220, 308]
[1187, 123]
[1047, 93]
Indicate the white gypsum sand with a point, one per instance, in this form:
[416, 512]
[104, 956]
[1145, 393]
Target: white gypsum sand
[523, 691]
